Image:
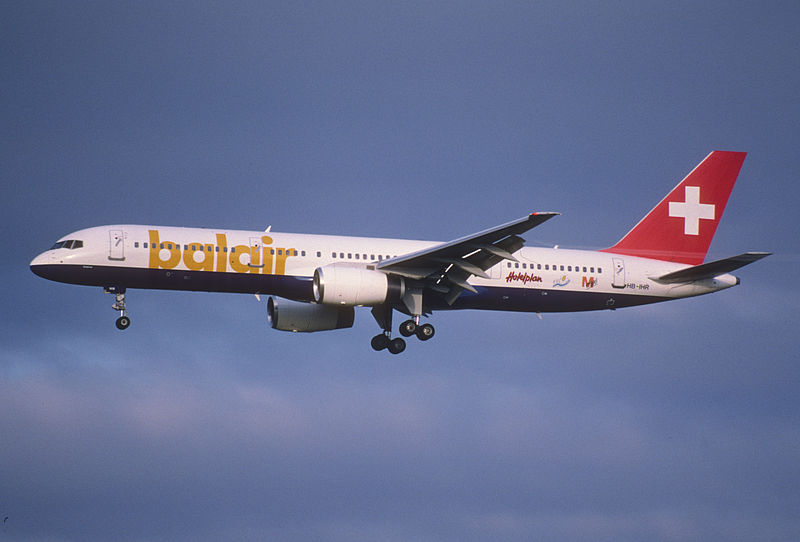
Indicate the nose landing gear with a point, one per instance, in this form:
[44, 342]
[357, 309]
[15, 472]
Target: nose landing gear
[119, 305]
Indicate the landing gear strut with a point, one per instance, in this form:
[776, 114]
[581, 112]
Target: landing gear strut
[119, 305]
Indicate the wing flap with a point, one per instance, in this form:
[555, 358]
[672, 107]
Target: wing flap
[446, 267]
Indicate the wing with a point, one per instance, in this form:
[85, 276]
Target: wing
[446, 267]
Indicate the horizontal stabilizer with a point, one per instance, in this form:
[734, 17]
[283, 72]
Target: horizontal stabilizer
[711, 269]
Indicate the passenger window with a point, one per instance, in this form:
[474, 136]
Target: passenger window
[208, 248]
[136, 244]
[562, 267]
[319, 254]
[303, 253]
[599, 270]
[371, 256]
[162, 245]
[584, 270]
[333, 254]
[349, 255]
[547, 267]
[569, 268]
[357, 256]
[538, 266]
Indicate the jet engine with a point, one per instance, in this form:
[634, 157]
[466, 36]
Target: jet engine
[286, 315]
[351, 286]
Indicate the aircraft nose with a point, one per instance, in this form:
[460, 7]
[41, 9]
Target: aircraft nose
[40, 262]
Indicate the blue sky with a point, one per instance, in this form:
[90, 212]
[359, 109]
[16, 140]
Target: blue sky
[676, 421]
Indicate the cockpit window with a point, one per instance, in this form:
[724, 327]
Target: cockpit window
[69, 243]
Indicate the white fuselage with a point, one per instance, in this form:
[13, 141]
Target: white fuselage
[283, 264]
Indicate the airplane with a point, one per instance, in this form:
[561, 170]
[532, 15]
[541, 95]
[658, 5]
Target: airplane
[314, 282]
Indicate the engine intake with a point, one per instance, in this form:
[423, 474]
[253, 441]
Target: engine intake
[286, 315]
[352, 286]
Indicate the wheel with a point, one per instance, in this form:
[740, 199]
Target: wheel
[425, 332]
[123, 322]
[408, 328]
[397, 345]
[379, 342]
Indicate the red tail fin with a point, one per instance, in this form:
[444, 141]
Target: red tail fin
[681, 226]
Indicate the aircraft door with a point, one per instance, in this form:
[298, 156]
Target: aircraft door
[255, 252]
[618, 280]
[116, 245]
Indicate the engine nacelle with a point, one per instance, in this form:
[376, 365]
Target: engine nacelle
[286, 315]
[351, 286]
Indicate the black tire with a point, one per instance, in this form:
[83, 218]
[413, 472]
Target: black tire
[408, 328]
[397, 345]
[425, 332]
[379, 342]
[123, 322]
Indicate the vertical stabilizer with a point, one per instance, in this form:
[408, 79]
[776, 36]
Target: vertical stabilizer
[680, 228]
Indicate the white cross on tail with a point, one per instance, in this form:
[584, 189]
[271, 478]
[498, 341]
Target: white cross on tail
[691, 210]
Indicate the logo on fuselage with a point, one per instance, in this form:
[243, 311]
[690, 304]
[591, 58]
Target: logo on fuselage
[524, 278]
[562, 281]
[258, 257]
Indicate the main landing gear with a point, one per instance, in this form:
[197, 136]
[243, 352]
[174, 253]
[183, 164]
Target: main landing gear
[408, 328]
[384, 340]
[119, 305]
[412, 327]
